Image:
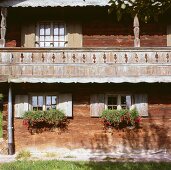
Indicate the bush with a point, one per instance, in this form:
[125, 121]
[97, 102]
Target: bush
[44, 120]
[120, 118]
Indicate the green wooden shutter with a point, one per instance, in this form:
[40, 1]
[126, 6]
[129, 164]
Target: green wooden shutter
[65, 104]
[21, 105]
[141, 104]
[97, 104]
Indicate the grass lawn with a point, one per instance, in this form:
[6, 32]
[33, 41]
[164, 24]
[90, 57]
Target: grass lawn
[66, 165]
[0, 124]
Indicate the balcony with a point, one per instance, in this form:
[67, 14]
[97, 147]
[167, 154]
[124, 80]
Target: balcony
[84, 65]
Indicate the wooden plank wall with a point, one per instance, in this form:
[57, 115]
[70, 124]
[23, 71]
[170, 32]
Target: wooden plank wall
[87, 132]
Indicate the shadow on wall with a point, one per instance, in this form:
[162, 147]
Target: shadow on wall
[152, 137]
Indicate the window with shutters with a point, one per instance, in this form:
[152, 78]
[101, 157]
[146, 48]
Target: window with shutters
[51, 34]
[119, 101]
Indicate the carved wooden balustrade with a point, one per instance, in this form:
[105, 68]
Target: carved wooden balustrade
[85, 65]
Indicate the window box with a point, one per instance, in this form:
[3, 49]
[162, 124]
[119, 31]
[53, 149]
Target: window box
[39, 121]
[120, 118]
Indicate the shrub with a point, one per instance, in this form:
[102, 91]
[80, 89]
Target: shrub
[120, 118]
[44, 120]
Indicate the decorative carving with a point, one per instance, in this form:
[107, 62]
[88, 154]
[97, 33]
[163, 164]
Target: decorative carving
[146, 58]
[22, 57]
[94, 58]
[32, 57]
[136, 58]
[53, 58]
[43, 58]
[136, 32]
[73, 57]
[3, 26]
[84, 58]
[63, 57]
[104, 57]
[126, 58]
[157, 57]
[115, 58]
[167, 57]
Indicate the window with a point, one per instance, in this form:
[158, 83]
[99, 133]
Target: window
[51, 102]
[51, 34]
[119, 101]
[44, 102]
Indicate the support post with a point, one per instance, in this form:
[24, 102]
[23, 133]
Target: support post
[10, 124]
[136, 32]
[3, 26]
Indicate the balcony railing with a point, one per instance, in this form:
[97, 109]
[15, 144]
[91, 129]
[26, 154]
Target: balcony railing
[85, 65]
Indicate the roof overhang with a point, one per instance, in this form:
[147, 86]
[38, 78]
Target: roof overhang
[140, 79]
[52, 3]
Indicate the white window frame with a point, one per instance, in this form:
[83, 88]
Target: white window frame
[37, 43]
[118, 99]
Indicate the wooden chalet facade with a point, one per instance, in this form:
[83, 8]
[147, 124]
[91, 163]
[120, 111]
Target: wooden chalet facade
[77, 53]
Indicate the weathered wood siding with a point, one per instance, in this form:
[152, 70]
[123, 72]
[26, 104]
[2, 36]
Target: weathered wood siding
[87, 132]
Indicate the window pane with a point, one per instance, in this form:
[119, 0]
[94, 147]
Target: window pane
[48, 100]
[61, 30]
[62, 44]
[56, 38]
[54, 100]
[56, 29]
[61, 38]
[54, 107]
[47, 38]
[123, 100]
[47, 44]
[56, 44]
[112, 100]
[47, 29]
[128, 101]
[41, 44]
[48, 107]
[110, 107]
[42, 29]
[42, 38]
[34, 101]
[40, 100]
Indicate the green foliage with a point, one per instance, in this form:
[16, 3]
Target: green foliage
[40, 121]
[120, 118]
[145, 9]
[1, 125]
[66, 165]
[50, 116]
[23, 155]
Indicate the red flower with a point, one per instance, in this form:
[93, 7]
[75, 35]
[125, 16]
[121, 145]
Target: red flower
[138, 119]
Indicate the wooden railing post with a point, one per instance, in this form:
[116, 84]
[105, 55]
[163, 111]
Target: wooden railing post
[3, 26]
[136, 32]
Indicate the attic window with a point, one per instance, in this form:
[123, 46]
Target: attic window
[51, 34]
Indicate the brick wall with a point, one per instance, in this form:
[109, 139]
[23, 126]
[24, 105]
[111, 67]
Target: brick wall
[87, 132]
